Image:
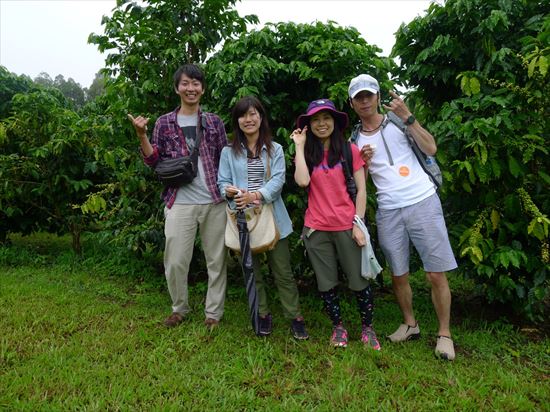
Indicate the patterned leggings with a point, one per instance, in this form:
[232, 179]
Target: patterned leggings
[364, 303]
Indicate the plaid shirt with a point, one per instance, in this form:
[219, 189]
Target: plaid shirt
[168, 142]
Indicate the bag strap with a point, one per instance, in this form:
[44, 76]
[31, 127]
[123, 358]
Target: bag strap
[396, 120]
[420, 155]
[347, 159]
[384, 124]
[200, 128]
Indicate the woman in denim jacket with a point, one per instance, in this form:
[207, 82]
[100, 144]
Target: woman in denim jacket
[243, 180]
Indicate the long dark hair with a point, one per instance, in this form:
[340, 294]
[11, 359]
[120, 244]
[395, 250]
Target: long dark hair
[239, 139]
[313, 150]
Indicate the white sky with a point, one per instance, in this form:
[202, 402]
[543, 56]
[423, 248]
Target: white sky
[51, 35]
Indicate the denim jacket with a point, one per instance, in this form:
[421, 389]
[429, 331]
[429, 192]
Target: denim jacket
[233, 171]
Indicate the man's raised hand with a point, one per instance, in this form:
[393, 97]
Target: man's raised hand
[140, 124]
[398, 106]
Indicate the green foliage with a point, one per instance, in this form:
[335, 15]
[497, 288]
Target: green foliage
[484, 88]
[46, 165]
[73, 91]
[287, 65]
[97, 88]
[481, 36]
[10, 85]
[147, 42]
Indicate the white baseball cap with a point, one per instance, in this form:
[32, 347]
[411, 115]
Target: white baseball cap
[363, 82]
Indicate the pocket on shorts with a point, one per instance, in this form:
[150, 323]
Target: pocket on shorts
[429, 209]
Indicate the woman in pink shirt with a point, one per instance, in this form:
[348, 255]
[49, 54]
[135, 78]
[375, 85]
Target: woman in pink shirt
[330, 237]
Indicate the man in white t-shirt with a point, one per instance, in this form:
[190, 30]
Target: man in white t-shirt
[409, 209]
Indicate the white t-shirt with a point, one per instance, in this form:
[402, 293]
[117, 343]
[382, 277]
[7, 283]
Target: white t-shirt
[402, 183]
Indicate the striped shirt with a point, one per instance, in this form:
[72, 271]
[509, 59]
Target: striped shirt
[255, 174]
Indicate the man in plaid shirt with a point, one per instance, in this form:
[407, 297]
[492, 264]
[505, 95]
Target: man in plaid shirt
[194, 205]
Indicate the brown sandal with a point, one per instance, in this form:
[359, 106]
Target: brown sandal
[173, 320]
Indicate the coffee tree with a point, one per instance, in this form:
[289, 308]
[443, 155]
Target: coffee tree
[479, 70]
[46, 165]
[145, 44]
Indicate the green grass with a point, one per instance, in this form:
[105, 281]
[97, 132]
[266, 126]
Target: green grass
[76, 337]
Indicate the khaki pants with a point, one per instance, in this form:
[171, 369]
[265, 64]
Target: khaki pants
[180, 229]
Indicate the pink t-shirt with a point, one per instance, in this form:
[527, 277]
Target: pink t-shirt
[329, 206]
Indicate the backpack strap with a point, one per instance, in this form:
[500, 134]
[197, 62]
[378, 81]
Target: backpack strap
[347, 167]
[428, 163]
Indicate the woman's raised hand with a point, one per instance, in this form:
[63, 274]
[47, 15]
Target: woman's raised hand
[298, 136]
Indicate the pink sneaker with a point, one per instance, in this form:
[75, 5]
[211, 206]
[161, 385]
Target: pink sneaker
[368, 337]
[339, 337]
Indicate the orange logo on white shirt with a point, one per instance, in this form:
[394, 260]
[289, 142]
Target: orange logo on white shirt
[404, 171]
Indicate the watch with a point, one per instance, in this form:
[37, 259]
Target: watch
[410, 120]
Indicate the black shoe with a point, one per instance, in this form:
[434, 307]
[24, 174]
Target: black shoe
[266, 325]
[298, 328]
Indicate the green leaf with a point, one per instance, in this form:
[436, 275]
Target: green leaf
[543, 65]
[495, 218]
[109, 158]
[513, 166]
[544, 177]
[531, 67]
[474, 86]
[465, 86]
[536, 229]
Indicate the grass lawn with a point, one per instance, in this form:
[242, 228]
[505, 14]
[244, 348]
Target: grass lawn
[80, 334]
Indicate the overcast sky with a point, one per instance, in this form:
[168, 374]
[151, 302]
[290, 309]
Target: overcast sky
[51, 36]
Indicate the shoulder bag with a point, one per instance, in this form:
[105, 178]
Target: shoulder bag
[262, 229]
[180, 170]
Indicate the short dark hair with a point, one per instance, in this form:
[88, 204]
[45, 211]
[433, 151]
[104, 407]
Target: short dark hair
[190, 70]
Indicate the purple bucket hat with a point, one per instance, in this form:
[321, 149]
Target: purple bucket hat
[322, 104]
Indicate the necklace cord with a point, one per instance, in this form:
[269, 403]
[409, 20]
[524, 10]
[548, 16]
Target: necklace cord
[372, 130]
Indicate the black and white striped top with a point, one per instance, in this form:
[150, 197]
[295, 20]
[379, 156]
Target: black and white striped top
[255, 173]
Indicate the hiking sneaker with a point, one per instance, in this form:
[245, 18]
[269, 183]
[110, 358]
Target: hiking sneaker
[339, 337]
[173, 320]
[445, 348]
[298, 329]
[368, 337]
[404, 333]
[266, 325]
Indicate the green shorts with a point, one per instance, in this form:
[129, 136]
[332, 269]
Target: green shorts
[325, 250]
